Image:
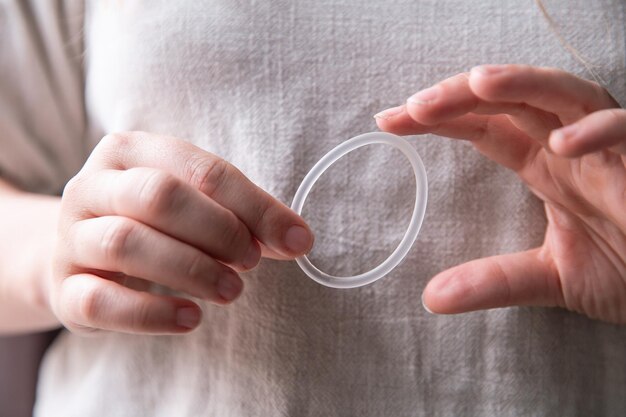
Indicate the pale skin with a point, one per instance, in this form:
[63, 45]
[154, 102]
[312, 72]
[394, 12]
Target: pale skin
[144, 209]
[566, 139]
[152, 209]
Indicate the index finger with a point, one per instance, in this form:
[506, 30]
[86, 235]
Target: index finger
[270, 221]
[553, 90]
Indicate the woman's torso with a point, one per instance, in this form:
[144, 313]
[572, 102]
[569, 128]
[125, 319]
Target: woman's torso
[271, 86]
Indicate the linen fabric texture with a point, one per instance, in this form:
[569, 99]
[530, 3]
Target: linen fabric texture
[271, 87]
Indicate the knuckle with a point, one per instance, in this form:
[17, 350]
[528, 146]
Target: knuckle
[480, 131]
[264, 214]
[73, 187]
[208, 175]
[110, 149]
[159, 193]
[115, 141]
[91, 305]
[141, 316]
[234, 237]
[196, 267]
[75, 204]
[115, 243]
[199, 278]
[454, 82]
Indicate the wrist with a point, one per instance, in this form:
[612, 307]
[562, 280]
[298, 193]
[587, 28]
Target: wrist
[28, 224]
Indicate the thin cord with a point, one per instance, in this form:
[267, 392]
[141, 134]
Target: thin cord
[555, 28]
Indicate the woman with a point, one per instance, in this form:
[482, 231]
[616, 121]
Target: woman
[268, 88]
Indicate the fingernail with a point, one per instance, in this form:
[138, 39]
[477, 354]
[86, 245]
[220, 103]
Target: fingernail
[188, 317]
[425, 96]
[253, 256]
[424, 305]
[229, 287]
[389, 113]
[298, 239]
[488, 69]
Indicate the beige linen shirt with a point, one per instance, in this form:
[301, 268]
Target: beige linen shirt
[271, 86]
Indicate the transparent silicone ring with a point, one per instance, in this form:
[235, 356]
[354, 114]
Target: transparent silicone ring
[421, 193]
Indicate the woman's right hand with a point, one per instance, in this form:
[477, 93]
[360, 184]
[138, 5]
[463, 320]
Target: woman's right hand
[152, 209]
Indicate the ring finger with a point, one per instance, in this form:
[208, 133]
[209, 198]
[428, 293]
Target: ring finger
[120, 244]
[171, 206]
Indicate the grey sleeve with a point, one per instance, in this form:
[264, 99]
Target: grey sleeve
[42, 116]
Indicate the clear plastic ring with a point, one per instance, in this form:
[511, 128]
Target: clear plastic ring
[421, 194]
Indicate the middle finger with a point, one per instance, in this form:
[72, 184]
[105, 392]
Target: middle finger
[173, 207]
[454, 97]
[119, 244]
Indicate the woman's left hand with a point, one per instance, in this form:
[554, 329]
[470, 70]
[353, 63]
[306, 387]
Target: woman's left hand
[565, 137]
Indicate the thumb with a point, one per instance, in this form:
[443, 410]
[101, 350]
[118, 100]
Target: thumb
[523, 278]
